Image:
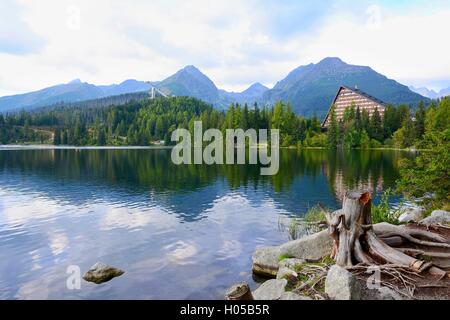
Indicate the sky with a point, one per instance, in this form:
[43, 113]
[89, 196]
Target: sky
[235, 43]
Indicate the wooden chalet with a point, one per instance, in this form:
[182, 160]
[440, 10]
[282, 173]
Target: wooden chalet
[346, 96]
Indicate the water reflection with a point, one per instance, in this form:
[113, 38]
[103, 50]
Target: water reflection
[178, 231]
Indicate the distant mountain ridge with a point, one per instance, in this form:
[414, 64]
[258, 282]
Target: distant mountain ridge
[309, 88]
[431, 93]
[73, 91]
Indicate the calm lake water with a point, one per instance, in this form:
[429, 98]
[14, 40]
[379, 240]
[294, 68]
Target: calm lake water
[179, 232]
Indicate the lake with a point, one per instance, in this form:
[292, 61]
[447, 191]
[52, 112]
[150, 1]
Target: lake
[179, 232]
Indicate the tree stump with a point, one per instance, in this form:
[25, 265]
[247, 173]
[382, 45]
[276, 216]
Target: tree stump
[356, 242]
[239, 291]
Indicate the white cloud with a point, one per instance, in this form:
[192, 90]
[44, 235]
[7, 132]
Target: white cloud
[234, 43]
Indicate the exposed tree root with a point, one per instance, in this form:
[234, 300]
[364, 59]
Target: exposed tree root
[418, 253]
[357, 242]
[394, 273]
[386, 230]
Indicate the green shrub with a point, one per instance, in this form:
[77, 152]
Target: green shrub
[382, 212]
[375, 144]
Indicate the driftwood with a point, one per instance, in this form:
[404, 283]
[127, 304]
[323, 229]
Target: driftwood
[357, 242]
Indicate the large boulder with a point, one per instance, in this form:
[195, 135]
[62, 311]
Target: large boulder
[101, 272]
[412, 214]
[437, 217]
[340, 284]
[265, 261]
[310, 248]
[270, 290]
[293, 296]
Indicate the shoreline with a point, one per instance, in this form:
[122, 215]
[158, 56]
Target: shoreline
[156, 147]
[61, 147]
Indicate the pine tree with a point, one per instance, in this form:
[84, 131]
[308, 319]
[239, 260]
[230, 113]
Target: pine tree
[376, 128]
[390, 121]
[358, 120]
[101, 136]
[365, 121]
[420, 120]
[245, 118]
[333, 130]
[57, 137]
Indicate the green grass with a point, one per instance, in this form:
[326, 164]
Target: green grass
[315, 214]
[284, 257]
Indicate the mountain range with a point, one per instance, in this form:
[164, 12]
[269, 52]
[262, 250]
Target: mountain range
[310, 89]
[431, 93]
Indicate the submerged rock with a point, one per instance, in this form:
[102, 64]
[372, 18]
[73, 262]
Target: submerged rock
[412, 214]
[100, 273]
[270, 290]
[340, 284]
[437, 217]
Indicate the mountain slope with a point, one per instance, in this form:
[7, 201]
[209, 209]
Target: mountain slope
[190, 81]
[74, 91]
[310, 89]
[252, 94]
[255, 90]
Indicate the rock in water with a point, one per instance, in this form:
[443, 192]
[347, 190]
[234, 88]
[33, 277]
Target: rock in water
[101, 272]
[342, 285]
[265, 261]
[270, 290]
[239, 291]
[437, 217]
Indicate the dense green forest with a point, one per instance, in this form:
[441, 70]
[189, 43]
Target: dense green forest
[146, 122]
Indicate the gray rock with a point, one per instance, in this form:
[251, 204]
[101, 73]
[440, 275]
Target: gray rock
[270, 290]
[311, 248]
[291, 263]
[265, 261]
[290, 275]
[101, 272]
[412, 214]
[341, 284]
[437, 217]
[293, 296]
[385, 293]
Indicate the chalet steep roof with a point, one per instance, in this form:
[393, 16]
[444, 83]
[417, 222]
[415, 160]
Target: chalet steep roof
[357, 91]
